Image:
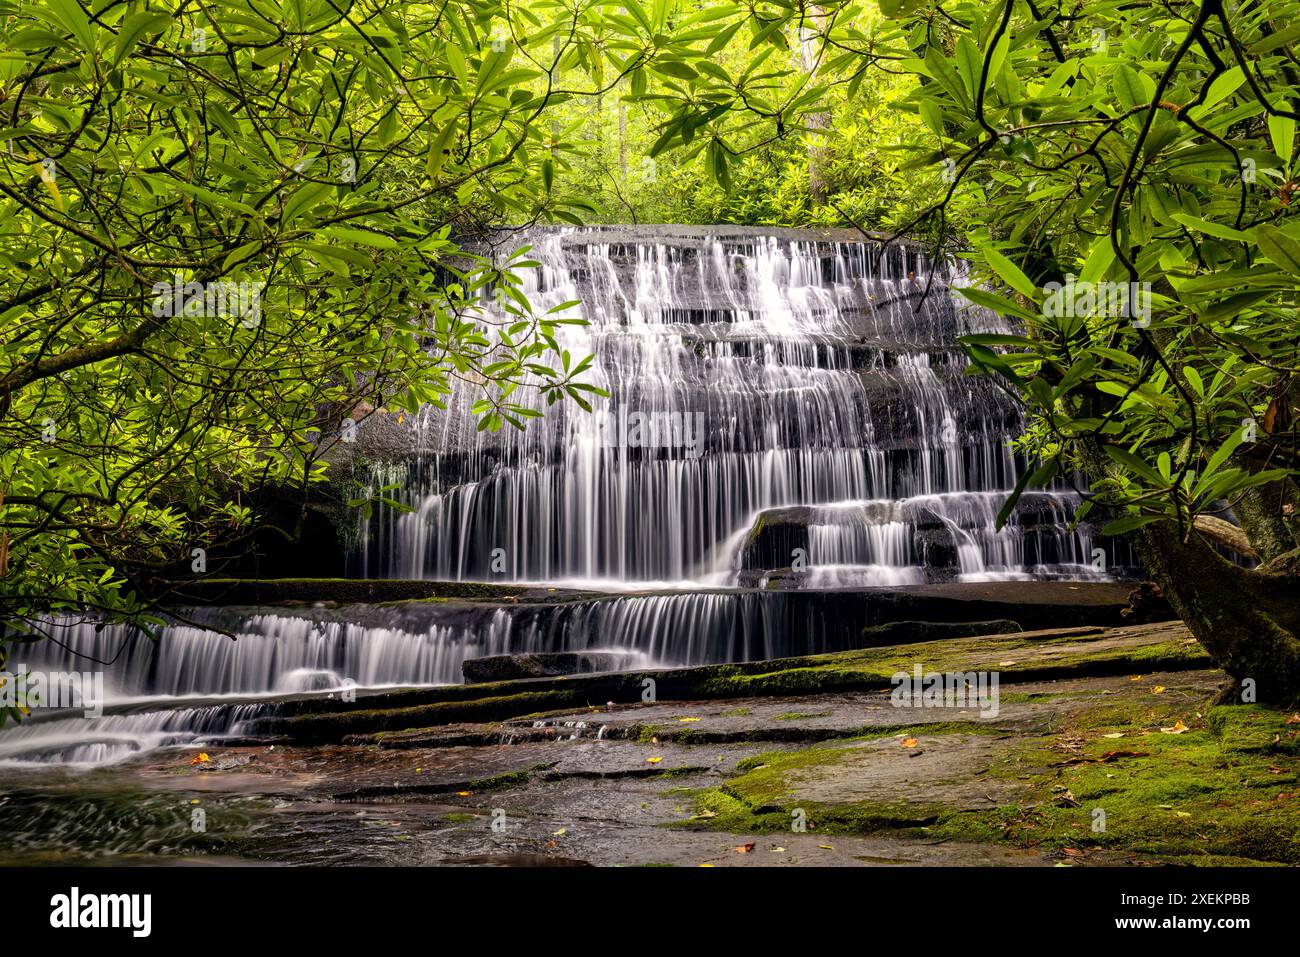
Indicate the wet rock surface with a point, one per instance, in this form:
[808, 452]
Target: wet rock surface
[824, 775]
[510, 667]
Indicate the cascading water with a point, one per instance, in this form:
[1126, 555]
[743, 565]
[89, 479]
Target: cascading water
[749, 371]
[789, 416]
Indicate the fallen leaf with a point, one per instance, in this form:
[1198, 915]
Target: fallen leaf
[745, 848]
[1071, 851]
[1158, 689]
[1114, 734]
[1178, 728]
[1116, 755]
[653, 760]
[200, 758]
[464, 794]
[826, 847]
[706, 865]
[704, 815]
[687, 720]
[1294, 719]
[778, 850]
[908, 742]
[560, 833]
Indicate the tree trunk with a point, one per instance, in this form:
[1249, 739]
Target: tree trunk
[1247, 619]
[816, 143]
[622, 142]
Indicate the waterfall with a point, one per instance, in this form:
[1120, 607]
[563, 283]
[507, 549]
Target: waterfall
[789, 420]
[749, 371]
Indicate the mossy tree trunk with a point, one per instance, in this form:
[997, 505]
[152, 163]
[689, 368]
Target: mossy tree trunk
[1247, 619]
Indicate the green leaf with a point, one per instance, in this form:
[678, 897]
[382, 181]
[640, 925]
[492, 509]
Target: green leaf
[1131, 87]
[1136, 466]
[1223, 86]
[674, 68]
[1278, 246]
[439, 147]
[135, 27]
[1218, 230]
[1129, 523]
[303, 199]
[1281, 131]
[72, 18]
[1011, 274]
[1099, 260]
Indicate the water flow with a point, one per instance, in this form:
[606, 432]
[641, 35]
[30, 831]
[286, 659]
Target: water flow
[749, 371]
[788, 410]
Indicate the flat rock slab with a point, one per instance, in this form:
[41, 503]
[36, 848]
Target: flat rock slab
[544, 665]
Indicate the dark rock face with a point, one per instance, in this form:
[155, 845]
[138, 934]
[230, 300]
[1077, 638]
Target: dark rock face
[907, 632]
[510, 667]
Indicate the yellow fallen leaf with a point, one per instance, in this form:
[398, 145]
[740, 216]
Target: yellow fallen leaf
[560, 833]
[1114, 734]
[706, 865]
[1158, 689]
[687, 720]
[653, 760]
[464, 794]
[778, 850]
[826, 847]
[1178, 728]
[908, 742]
[200, 758]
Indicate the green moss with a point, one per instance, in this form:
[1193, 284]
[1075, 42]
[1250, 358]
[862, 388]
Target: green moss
[1226, 789]
[737, 712]
[801, 715]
